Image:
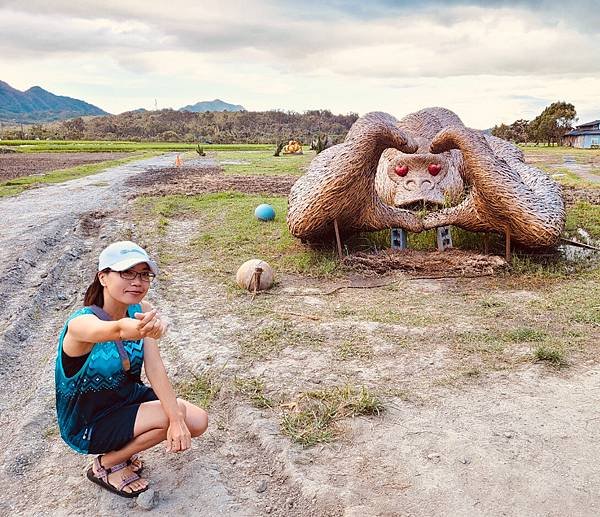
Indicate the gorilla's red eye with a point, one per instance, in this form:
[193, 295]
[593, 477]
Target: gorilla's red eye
[434, 169]
[401, 170]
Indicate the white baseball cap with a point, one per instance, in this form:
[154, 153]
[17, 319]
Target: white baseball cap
[122, 255]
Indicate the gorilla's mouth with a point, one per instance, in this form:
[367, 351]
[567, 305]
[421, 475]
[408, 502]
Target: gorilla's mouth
[421, 207]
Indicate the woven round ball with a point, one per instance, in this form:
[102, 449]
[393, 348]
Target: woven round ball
[245, 274]
[264, 212]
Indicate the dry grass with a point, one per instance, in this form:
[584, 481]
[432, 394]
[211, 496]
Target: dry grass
[312, 417]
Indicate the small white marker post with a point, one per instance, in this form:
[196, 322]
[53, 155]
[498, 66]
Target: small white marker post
[443, 238]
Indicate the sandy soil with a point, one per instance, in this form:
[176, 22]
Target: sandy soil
[517, 439]
[15, 165]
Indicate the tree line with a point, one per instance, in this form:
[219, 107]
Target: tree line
[218, 127]
[550, 126]
[223, 127]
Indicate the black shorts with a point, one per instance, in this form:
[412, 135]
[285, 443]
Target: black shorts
[115, 430]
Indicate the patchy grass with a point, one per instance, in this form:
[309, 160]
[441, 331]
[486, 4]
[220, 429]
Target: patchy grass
[396, 315]
[485, 342]
[253, 388]
[492, 303]
[231, 234]
[552, 160]
[566, 177]
[313, 416]
[268, 341]
[18, 185]
[572, 303]
[492, 343]
[201, 389]
[262, 162]
[552, 353]
[352, 349]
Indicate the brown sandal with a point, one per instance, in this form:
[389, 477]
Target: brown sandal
[100, 477]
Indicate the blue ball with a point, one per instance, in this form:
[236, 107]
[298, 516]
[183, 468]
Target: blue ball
[264, 212]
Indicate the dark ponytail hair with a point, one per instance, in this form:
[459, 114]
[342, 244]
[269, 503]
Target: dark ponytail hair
[95, 292]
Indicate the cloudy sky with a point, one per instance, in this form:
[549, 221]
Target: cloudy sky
[490, 62]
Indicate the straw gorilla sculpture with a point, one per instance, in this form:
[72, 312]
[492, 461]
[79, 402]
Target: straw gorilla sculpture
[386, 169]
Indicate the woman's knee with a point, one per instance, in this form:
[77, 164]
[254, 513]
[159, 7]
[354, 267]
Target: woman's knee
[199, 423]
[196, 419]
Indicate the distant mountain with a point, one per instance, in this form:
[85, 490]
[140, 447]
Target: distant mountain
[216, 105]
[39, 105]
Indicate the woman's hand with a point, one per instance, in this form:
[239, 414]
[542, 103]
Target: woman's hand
[179, 437]
[130, 328]
[150, 324]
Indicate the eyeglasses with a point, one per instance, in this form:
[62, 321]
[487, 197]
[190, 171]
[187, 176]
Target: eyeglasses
[130, 274]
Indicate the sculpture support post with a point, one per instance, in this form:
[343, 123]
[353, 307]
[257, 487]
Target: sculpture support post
[337, 239]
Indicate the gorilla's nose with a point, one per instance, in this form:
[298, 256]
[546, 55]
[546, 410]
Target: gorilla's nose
[419, 184]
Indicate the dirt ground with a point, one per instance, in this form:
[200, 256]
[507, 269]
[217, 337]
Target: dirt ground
[467, 427]
[205, 176]
[15, 165]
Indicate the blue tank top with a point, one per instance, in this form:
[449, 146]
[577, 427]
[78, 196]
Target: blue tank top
[99, 387]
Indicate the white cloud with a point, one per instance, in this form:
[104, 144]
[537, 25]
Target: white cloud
[490, 64]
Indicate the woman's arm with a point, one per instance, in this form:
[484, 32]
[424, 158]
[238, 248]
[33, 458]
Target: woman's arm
[87, 329]
[179, 437]
[90, 329]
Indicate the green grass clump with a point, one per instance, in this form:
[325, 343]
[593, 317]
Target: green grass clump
[254, 388]
[18, 185]
[201, 389]
[524, 335]
[555, 266]
[262, 162]
[230, 234]
[554, 354]
[311, 418]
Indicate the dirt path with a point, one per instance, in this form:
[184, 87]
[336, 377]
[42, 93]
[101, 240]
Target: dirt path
[48, 252]
[524, 441]
[582, 170]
